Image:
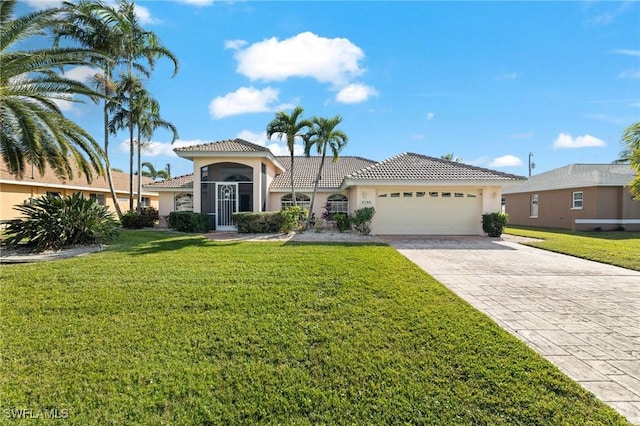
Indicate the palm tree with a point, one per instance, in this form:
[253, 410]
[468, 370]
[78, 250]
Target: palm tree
[450, 157]
[291, 126]
[154, 174]
[631, 141]
[33, 128]
[83, 23]
[115, 32]
[148, 121]
[324, 135]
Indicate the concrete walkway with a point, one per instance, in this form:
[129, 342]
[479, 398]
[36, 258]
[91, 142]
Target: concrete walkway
[582, 316]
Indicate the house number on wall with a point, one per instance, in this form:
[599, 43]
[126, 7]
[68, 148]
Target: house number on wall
[365, 202]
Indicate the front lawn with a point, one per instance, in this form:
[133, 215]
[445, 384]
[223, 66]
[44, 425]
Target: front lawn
[167, 329]
[616, 248]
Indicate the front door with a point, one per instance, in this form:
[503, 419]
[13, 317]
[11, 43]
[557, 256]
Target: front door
[227, 205]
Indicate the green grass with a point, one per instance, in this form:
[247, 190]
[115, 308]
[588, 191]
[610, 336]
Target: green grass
[180, 330]
[615, 248]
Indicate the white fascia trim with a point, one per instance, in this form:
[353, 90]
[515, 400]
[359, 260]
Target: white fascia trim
[309, 190]
[175, 189]
[608, 221]
[421, 183]
[65, 186]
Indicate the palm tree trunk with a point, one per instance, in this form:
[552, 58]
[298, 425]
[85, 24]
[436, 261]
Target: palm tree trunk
[139, 195]
[130, 162]
[107, 162]
[315, 187]
[293, 191]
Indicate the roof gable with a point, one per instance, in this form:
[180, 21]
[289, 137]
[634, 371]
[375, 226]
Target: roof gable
[409, 166]
[227, 146]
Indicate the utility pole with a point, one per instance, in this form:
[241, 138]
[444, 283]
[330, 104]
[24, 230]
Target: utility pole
[532, 165]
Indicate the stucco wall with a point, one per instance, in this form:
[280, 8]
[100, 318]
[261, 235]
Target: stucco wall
[603, 205]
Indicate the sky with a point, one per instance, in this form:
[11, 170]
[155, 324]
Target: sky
[494, 83]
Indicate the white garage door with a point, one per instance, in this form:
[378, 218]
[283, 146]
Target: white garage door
[428, 212]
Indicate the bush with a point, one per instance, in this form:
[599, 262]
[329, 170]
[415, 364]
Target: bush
[51, 223]
[293, 218]
[361, 219]
[342, 221]
[493, 223]
[258, 222]
[189, 222]
[146, 219]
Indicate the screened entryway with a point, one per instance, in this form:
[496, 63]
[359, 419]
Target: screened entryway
[226, 188]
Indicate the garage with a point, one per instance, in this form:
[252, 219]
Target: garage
[428, 211]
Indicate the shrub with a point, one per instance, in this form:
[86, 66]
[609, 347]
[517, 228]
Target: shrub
[342, 221]
[146, 219]
[51, 223]
[189, 222]
[293, 218]
[493, 223]
[258, 222]
[361, 219]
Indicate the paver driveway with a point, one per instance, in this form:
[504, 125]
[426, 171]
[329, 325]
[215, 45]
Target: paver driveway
[583, 316]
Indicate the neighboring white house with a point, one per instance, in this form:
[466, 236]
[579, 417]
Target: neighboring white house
[412, 193]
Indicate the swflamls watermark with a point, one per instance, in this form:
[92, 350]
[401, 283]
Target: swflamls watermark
[35, 413]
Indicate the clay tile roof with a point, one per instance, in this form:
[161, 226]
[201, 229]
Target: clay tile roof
[184, 181]
[228, 145]
[409, 166]
[306, 170]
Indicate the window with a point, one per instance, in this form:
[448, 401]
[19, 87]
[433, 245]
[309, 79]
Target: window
[337, 203]
[184, 202]
[53, 194]
[98, 197]
[446, 195]
[395, 194]
[420, 193]
[577, 200]
[459, 195]
[433, 193]
[407, 194]
[534, 205]
[302, 200]
[382, 196]
[146, 202]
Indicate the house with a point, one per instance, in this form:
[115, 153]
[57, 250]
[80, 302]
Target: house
[14, 191]
[580, 197]
[412, 193]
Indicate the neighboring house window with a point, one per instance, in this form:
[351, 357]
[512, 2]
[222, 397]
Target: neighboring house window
[184, 202]
[98, 197]
[534, 205]
[338, 203]
[146, 202]
[53, 194]
[503, 203]
[302, 200]
[577, 200]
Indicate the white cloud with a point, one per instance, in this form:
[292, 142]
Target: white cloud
[43, 4]
[630, 52]
[507, 76]
[144, 15]
[327, 60]
[565, 140]
[244, 100]
[606, 118]
[155, 148]
[355, 93]
[506, 161]
[199, 3]
[276, 146]
[235, 44]
[630, 73]
[430, 116]
[82, 73]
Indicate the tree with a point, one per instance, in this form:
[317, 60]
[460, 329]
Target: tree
[84, 23]
[451, 157]
[290, 126]
[631, 155]
[631, 141]
[154, 174]
[33, 128]
[148, 121]
[324, 135]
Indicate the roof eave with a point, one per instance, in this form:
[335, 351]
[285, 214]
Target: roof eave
[349, 182]
[190, 155]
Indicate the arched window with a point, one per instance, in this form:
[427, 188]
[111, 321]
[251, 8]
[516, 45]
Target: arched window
[184, 202]
[302, 200]
[337, 203]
